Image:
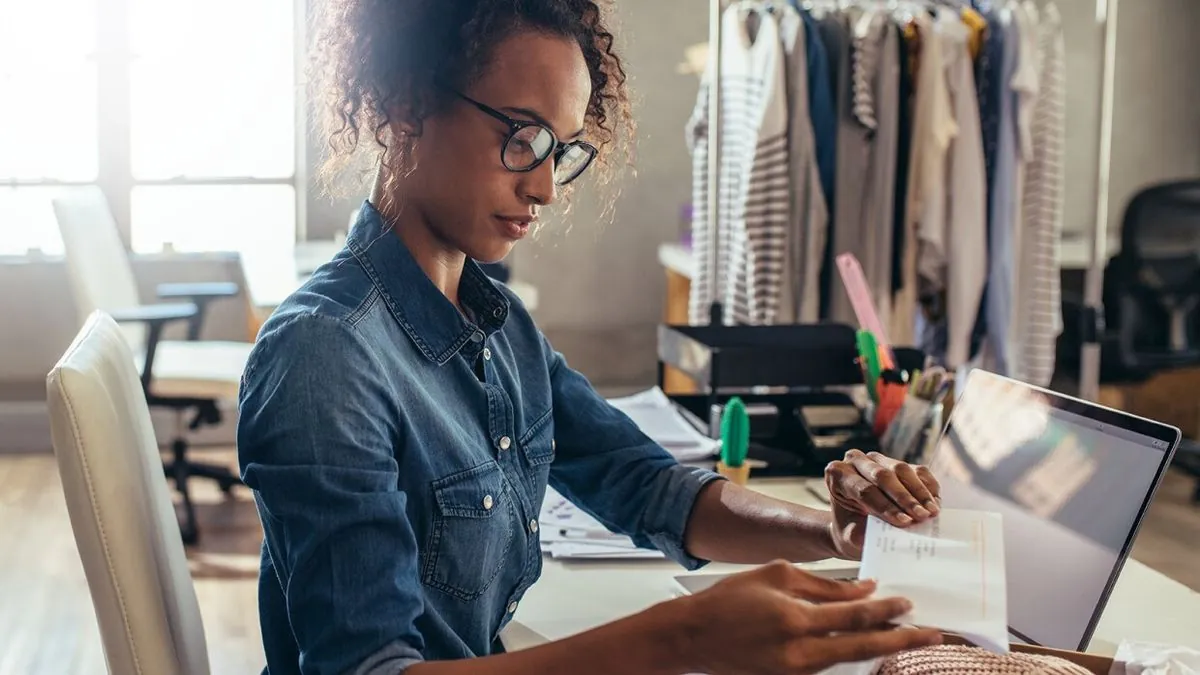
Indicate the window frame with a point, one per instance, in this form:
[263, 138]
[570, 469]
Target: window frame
[114, 60]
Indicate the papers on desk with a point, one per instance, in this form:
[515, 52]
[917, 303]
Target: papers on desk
[659, 419]
[566, 531]
[951, 568]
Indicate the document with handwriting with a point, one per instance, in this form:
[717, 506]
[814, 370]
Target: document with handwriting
[950, 567]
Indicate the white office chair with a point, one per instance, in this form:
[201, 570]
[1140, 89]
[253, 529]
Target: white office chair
[183, 375]
[120, 508]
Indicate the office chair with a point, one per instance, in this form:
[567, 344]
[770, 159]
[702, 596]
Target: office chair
[1151, 297]
[120, 510]
[189, 376]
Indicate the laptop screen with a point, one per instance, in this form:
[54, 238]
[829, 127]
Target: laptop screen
[1071, 482]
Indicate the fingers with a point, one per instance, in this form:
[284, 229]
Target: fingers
[850, 647]
[808, 586]
[864, 495]
[911, 480]
[897, 480]
[861, 615]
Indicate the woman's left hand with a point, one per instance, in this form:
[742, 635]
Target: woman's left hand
[862, 485]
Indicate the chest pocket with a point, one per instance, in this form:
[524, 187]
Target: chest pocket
[474, 531]
[538, 441]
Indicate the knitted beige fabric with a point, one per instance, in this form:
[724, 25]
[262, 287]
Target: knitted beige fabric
[956, 660]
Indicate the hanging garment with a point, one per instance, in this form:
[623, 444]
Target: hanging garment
[933, 129]
[868, 135]
[1040, 314]
[800, 288]
[820, 101]
[835, 34]
[1003, 218]
[952, 260]
[903, 157]
[753, 181]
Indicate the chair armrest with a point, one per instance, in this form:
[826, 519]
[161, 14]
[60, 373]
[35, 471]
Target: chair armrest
[200, 294]
[213, 289]
[149, 314]
[155, 317]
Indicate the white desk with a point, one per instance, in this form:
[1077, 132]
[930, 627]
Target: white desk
[575, 596]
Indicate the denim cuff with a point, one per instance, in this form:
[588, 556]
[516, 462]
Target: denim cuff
[670, 508]
[393, 659]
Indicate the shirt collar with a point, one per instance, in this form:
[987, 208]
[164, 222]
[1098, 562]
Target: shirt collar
[433, 323]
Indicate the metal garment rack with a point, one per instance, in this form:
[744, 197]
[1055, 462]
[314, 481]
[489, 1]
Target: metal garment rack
[715, 7]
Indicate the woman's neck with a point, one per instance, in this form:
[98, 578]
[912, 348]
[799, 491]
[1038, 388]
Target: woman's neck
[440, 261]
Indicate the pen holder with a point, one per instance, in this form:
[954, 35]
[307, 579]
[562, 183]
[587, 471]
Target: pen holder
[736, 474]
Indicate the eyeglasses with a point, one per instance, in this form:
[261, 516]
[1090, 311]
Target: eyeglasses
[528, 144]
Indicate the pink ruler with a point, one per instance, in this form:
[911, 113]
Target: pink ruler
[855, 282]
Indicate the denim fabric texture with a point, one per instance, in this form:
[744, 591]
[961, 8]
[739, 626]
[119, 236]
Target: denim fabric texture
[399, 452]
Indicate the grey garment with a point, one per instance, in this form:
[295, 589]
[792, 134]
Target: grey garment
[866, 167]
[1004, 219]
[799, 300]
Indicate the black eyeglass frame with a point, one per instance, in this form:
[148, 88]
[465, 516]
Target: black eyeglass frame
[556, 150]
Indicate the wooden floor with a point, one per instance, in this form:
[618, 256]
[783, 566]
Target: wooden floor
[47, 626]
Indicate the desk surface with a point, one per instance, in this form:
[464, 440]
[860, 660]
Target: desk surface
[574, 596]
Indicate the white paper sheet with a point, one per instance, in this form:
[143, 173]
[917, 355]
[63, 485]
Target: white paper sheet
[566, 531]
[658, 418]
[951, 568]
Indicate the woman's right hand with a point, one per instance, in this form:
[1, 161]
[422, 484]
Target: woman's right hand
[780, 619]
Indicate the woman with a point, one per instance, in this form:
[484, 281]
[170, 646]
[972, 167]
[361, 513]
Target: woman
[401, 415]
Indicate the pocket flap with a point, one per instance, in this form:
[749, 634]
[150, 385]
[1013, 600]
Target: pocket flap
[477, 492]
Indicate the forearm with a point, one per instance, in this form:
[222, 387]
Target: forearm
[648, 643]
[730, 523]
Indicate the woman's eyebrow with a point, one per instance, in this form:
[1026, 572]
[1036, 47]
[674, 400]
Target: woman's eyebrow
[533, 115]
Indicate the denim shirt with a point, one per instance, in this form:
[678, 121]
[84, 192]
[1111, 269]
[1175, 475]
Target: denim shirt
[399, 453]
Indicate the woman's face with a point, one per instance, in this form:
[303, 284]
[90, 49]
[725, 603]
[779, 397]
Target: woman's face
[461, 186]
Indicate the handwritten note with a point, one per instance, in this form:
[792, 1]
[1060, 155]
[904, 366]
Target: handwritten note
[951, 568]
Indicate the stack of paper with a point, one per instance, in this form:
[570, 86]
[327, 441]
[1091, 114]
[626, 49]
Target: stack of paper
[659, 419]
[566, 531]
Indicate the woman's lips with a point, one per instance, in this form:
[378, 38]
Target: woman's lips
[515, 227]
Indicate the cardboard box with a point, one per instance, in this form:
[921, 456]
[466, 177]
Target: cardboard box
[1094, 663]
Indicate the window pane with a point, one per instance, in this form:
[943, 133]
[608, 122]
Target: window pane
[213, 88]
[257, 221]
[47, 110]
[27, 221]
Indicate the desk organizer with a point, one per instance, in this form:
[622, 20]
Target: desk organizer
[798, 380]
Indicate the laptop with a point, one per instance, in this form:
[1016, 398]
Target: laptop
[1072, 481]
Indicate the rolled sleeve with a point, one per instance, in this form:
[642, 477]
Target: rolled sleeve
[325, 483]
[613, 471]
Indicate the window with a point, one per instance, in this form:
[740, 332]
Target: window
[188, 105]
[48, 131]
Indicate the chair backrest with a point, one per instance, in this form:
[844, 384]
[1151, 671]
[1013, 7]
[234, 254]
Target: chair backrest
[1152, 287]
[98, 266]
[121, 513]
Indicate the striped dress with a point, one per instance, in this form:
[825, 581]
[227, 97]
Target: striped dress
[1039, 310]
[753, 200]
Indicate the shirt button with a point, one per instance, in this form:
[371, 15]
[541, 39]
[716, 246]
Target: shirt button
[498, 313]
[505, 442]
[477, 336]
[487, 502]
[487, 354]
[553, 444]
[533, 526]
[512, 607]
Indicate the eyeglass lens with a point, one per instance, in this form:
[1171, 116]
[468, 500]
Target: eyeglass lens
[533, 144]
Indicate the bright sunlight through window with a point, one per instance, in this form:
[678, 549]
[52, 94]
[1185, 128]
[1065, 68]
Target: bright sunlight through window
[204, 91]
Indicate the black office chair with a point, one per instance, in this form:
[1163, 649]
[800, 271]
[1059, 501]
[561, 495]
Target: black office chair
[190, 377]
[1151, 296]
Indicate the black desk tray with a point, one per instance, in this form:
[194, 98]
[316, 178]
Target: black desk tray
[796, 356]
[787, 443]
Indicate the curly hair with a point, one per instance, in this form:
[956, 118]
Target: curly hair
[373, 58]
